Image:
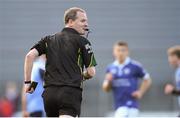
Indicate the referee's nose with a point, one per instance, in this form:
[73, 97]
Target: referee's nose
[86, 24]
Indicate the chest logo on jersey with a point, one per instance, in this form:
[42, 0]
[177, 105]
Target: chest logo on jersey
[126, 71]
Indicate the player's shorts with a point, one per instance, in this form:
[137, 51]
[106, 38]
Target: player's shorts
[124, 111]
[62, 101]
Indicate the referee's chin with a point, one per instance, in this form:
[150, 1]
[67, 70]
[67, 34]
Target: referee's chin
[82, 33]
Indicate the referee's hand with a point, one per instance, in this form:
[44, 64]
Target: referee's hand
[28, 89]
[86, 76]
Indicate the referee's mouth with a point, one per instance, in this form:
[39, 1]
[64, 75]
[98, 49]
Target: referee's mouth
[86, 29]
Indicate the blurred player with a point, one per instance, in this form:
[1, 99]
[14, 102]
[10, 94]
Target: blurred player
[32, 104]
[122, 77]
[174, 61]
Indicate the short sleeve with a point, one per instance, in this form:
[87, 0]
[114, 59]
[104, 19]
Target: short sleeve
[108, 69]
[41, 46]
[111, 69]
[142, 73]
[87, 54]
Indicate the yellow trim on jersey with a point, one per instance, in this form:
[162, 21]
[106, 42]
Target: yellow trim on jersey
[91, 60]
[79, 57]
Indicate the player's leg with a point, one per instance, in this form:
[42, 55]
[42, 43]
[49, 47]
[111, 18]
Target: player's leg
[133, 112]
[121, 112]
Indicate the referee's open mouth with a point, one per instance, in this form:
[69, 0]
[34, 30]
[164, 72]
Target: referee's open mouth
[86, 29]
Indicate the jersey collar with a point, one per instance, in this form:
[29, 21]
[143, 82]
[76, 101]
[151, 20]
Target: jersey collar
[71, 30]
[127, 61]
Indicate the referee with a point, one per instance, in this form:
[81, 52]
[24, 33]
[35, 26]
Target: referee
[67, 53]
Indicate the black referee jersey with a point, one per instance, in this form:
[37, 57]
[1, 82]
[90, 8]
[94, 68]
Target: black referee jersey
[67, 53]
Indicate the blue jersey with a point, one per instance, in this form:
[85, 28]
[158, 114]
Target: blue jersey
[34, 100]
[125, 81]
[177, 77]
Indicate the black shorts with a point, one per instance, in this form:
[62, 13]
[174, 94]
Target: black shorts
[62, 101]
[36, 114]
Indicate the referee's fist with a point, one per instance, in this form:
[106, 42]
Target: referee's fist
[28, 89]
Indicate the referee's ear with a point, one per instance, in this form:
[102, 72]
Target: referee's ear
[91, 71]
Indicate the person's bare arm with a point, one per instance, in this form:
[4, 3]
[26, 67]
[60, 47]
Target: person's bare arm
[89, 72]
[29, 59]
[170, 89]
[23, 103]
[146, 83]
[107, 82]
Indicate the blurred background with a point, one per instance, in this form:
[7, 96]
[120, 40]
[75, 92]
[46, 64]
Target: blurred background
[149, 27]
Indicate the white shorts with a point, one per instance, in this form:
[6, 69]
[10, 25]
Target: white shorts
[124, 112]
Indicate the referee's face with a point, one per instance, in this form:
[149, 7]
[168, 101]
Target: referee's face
[81, 23]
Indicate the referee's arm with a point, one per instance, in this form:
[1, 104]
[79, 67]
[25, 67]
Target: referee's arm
[37, 50]
[88, 59]
[28, 64]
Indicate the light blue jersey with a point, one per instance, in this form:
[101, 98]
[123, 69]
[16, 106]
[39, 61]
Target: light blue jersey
[177, 77]
[125, 82]
[35, 100]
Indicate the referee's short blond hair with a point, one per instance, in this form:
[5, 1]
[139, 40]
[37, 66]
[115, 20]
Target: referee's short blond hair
[71, 14]
[175, 50]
